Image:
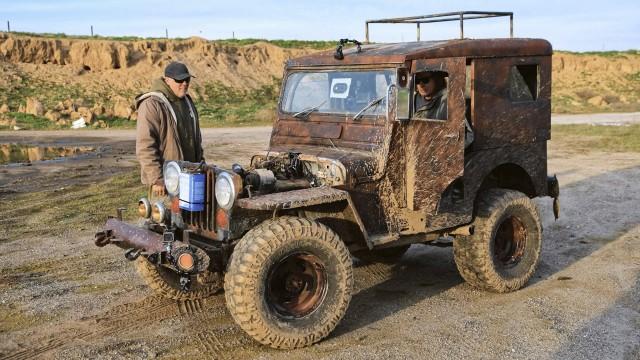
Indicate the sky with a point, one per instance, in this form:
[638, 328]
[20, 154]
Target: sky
[571, 25]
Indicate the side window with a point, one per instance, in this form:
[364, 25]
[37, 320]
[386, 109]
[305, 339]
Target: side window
[430, 95]
[524, 82]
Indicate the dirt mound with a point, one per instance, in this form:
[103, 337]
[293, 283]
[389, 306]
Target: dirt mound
[235, 66]
[105, 72]
[587, 83]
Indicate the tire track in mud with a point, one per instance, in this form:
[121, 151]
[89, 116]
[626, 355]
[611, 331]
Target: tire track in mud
[216, 337]
[121, 319]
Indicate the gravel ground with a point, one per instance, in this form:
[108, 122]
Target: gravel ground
[61, 297]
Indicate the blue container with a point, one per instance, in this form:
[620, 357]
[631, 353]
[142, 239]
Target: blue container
[192, 188]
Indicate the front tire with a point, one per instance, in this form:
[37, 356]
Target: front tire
[289, 282]
[504, 250]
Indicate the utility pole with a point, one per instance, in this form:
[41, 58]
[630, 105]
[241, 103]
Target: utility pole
[8, 26]
[166, 33]
[233, 35]
[91, 30]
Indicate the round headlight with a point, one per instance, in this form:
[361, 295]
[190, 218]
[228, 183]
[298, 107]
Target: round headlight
[172, 177]
[158, 212]
[225, 191]
[144, 208]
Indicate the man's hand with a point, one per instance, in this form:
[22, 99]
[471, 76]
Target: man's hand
[157, 188]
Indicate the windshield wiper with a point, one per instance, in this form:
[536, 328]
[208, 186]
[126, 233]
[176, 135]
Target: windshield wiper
[309, 110]
[369, 105]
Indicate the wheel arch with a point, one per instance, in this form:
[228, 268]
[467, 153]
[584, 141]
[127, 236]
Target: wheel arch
[509, 176]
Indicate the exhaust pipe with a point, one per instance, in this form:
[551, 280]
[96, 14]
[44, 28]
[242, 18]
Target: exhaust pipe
[126, 236]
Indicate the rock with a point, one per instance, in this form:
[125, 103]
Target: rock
[52, 115]
[122, 108]
[34, 107]
[74, 115]
[16, 128]
[597, 101]
[98, 109]
[68, 104]
[59, 106]
[21, 108]
[4, 109]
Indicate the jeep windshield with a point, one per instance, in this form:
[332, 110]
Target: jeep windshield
[337, 92]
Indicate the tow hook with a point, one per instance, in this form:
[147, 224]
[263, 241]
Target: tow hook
[132, 254]
[185, 283]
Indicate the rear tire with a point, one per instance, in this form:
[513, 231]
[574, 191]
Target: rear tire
[289, 282]
[166, 282]
[504, 250]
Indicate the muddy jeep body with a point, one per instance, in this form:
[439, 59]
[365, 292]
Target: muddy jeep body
[337, 183]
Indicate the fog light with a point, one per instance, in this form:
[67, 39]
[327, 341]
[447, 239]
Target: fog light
[186, 262]
[144, 208]
[158, 212]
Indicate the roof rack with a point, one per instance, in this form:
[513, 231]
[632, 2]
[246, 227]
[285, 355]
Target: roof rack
[460, 16]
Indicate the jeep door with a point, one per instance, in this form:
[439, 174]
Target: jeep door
[434, 148]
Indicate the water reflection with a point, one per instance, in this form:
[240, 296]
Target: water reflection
[21, 153]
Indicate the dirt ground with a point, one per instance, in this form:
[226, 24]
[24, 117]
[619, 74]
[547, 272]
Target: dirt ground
[62, 297]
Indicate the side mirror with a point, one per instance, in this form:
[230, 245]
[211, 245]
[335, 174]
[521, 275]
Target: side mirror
[402, 104]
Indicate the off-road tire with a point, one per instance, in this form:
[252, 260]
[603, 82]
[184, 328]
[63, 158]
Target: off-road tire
[483, 259]
[166, 283]
[249, 281]
[386, 256]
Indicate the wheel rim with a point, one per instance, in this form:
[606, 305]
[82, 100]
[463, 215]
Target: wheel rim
[510, 242]
[296, 285]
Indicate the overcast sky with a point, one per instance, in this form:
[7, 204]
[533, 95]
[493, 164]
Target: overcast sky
[569, 25]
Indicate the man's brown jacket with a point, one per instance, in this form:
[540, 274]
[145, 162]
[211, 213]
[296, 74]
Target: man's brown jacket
[157, 138]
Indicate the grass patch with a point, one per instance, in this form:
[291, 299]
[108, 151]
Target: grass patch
[75, 208]
[312, 44]
[298, 44]
[587, 138]
[226, 106]
[48, 93]
[30, 122]
[613, 53]
[117, 122]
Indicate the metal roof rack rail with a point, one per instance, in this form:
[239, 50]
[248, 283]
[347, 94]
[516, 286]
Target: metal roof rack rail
[460, 16]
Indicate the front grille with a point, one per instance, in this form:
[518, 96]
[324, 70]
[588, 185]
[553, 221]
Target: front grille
[204, 222]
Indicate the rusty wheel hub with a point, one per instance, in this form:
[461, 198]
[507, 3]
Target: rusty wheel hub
[296, 285]
[510, 242]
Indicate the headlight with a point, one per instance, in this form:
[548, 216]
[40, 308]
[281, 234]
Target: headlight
[172, 178]
[144, 208]
[225, 191]
[158, 212]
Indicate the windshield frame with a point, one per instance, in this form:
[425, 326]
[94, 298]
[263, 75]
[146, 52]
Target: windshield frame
[392, 68]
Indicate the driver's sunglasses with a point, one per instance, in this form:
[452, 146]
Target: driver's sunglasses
[183, 80]
[424, 81]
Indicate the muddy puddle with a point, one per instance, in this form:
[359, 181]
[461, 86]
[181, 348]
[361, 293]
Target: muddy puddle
[25, 153]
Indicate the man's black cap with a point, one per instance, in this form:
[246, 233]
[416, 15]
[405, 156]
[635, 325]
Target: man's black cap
[177, 71]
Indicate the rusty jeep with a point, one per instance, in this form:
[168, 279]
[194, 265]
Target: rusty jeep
[351, 171]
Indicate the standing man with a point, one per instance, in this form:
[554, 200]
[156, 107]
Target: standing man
[168, 127]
